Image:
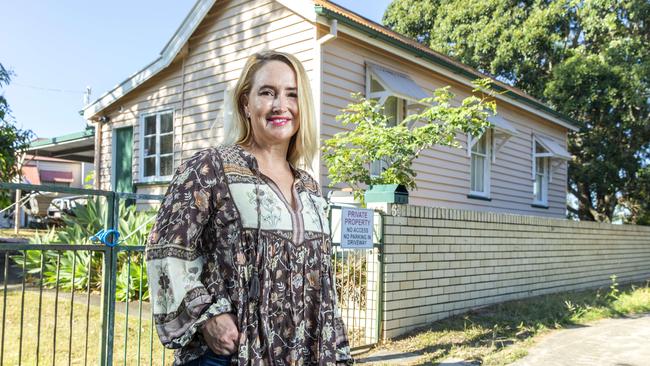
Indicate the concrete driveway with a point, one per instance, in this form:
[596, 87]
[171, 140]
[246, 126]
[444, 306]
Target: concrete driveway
[609, 342]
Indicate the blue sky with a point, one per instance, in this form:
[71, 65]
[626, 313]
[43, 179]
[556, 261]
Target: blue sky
[57, 48]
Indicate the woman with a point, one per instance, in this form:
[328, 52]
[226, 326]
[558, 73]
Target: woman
[239, 258]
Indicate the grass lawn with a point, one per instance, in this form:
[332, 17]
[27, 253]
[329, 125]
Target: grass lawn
[30, 341]
[500, 334]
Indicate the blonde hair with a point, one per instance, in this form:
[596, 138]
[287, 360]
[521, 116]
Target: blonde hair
[303, 146]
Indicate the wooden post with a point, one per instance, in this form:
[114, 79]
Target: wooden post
[17, 215]
[20, 160]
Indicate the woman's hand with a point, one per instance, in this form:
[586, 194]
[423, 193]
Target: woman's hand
[221, 334]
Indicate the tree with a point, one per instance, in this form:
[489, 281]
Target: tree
[587, 59]
[13, 141]
[639, 202]
[348, 155]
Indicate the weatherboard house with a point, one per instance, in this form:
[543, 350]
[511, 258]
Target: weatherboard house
[157, 118]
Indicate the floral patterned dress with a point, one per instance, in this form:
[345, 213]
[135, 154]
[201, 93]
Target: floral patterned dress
[226, 240]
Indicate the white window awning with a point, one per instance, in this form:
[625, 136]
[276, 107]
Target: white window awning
[501, 125]
[552, 150]
[555, 151]
[394, 84]
[502, 132]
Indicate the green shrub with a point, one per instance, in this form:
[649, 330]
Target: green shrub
[136, 275]
[85, 221]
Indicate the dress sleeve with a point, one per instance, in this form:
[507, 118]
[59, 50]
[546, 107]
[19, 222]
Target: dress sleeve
[175, 260]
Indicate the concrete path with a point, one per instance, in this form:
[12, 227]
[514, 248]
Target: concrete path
[609, 342]
[389, 358]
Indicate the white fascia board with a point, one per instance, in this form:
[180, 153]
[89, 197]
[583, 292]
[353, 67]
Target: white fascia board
[167, 55]
[304, 8]
[343, 28]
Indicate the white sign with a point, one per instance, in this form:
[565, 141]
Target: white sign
[356, 228]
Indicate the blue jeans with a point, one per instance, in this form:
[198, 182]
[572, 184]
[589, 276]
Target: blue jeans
[211, 359]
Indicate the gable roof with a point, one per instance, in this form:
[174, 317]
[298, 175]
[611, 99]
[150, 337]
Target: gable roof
[311, 10]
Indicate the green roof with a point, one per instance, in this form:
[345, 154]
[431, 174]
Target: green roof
[88, 132]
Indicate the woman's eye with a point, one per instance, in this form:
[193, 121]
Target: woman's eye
[293, 95]
[266, 92]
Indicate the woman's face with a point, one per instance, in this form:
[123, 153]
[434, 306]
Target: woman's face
[272, 105]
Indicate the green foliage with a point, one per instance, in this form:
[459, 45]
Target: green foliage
[348, 154]
[587, 59]
[86, 221]
[71, 266]
[639, 200]
[90, 177]
[614, 292]
[131, 276]
[134, 226]
[13, 141]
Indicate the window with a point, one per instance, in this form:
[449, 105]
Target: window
[480, 165]
[157, 146]
[548, 156]
[482, 151]
[395, 109]
[397, 92]
[540, 188]
[541, 176]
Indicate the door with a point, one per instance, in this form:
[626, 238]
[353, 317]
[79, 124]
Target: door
[123, 148]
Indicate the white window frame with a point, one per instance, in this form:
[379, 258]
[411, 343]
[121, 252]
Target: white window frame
[487, 163]
[546, 177]
[382, 97]
[157, 177]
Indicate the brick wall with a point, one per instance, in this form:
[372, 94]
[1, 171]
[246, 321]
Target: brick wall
[440, 262]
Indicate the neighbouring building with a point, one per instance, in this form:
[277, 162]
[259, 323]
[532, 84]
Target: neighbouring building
[63, 161]
[174, 107]
[50, 171]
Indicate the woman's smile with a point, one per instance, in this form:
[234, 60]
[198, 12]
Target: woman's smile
[278, 121]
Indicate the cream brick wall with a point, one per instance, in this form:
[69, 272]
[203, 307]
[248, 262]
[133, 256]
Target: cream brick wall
[440, 262]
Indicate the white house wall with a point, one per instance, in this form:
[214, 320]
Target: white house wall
[217, 51]
[194, 86]
[443, 178]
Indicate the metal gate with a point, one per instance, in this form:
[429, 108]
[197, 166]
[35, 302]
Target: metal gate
[81, 303]
[358, 275]
[76, 302]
